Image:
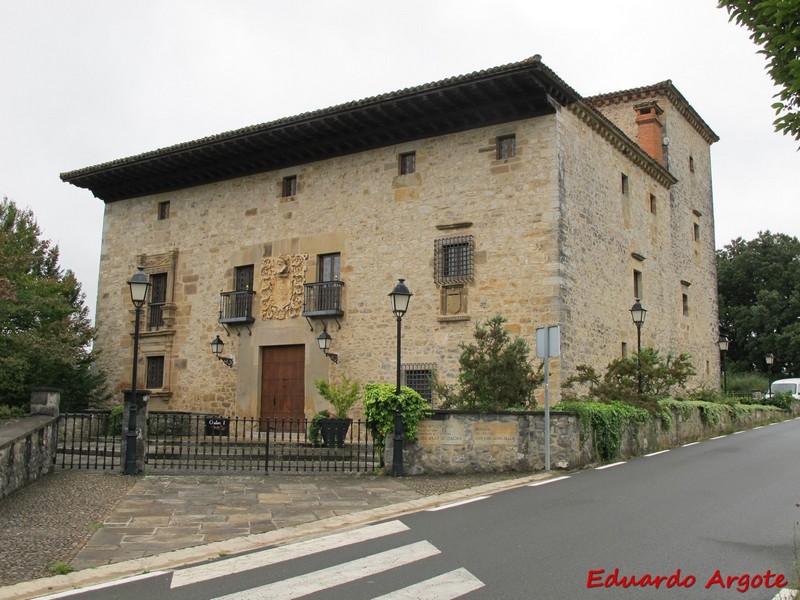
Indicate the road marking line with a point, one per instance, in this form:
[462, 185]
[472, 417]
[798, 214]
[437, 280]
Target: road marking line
[444, 587]
[546, 481]
[759, 427]
[600, 468]
[454, 504]
[102, 586]
[719, 437]
[657, 453]
[690, 444]
[737, 432]
[248, 562]
[317, 581]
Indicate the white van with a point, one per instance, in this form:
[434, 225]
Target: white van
[786, 385]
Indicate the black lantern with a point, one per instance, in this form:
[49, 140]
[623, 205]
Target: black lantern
[400, 296]
[217, 345]
[324, 342]
[769, 359]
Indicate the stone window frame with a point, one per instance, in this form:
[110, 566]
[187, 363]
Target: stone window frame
[163, 210]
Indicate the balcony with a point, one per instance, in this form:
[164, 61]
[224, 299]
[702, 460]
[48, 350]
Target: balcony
[323, 299]
[236, 307]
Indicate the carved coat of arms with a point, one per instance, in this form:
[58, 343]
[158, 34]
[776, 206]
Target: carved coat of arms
[282, 279]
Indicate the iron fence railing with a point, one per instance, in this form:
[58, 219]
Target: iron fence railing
[323, 299]
[180, 442]
[236, 307]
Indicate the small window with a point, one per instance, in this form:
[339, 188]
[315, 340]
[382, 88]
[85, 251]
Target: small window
[506, 147]
[419, 377]
[685, 298]
[243, 278]
[289, 187]
[158, 298]
[652, 204]
[408, 163]
[691, 164]
[155, 372]
[696, 232]
[163, 210]
[624, 349]
[454, 259]
[624, 181]
[637, 285]
[328, 266]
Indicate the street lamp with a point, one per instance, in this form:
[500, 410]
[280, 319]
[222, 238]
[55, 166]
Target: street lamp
[400, 297]
[769, 359]
[216, 349]
[638, 314]
[324, 343]
[724, 343]
[139, 284]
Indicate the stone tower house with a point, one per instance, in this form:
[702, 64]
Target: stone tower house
[499, 192]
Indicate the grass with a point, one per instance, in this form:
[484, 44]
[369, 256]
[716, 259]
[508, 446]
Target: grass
[59, 567]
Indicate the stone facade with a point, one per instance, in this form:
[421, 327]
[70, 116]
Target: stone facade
[552, 234]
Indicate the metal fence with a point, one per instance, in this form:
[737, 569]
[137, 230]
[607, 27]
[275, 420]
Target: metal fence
[183, 442]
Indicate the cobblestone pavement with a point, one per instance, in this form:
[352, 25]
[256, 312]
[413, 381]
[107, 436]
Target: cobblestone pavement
[85, 519]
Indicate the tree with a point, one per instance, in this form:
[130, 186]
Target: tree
[775, 26]
[759, 302]
[45, 333]
[494, 374]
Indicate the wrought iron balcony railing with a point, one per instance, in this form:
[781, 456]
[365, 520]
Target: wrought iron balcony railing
[236, 307]
[323, 299]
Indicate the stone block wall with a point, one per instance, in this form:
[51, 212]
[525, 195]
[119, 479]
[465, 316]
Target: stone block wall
[27, 448]
[458, 443]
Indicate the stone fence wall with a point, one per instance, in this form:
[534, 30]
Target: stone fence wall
[451, 442]
[27, 445]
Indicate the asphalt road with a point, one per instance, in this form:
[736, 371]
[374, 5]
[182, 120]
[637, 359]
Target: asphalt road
[691, 517]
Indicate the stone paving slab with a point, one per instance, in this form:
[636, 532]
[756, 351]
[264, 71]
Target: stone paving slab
[162, 513]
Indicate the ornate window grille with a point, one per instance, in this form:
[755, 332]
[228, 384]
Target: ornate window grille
[419, 377]
[454, 259]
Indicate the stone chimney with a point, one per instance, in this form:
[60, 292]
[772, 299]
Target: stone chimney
[651, 129]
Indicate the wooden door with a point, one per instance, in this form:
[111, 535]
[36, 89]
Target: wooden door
[282, 385]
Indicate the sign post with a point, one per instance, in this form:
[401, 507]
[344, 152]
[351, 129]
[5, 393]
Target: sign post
[548, 343]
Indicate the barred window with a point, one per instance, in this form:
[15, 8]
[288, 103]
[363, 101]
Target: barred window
[155, 371]
[419, 377]
[454, 259]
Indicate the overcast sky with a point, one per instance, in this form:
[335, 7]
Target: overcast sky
[89, 81]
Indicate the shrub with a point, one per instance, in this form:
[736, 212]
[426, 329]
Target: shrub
[659, 376]
[11, 412]
[115, 420]
[314, 435]
[342, 395]
[494, 373]
[380, 405]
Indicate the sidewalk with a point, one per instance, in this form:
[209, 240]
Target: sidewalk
[151, 523]
[164, 513]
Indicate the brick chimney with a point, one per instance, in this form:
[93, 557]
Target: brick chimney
[650, 137]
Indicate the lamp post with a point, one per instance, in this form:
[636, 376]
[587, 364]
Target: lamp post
[638, 314]
[400, 297]
[769, 359]
[724, 342]
[139, 284]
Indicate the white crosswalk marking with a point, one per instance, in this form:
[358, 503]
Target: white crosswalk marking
[444, 587]
[272, 556]
[310, 583]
